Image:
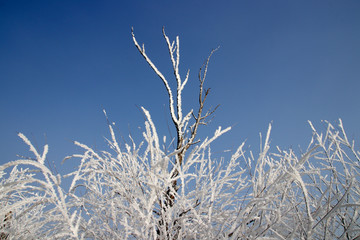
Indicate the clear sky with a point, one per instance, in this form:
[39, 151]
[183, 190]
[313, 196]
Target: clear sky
[62, 62]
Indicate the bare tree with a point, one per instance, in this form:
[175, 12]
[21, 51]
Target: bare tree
[181, 122]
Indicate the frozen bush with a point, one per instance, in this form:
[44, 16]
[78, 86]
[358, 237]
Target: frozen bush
[143, 191]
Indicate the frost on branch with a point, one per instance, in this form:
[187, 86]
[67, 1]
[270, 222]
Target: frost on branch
[143, 191]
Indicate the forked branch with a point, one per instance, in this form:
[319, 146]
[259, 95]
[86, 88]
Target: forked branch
[179, 121]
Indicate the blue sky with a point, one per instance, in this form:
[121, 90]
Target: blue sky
[286, 62]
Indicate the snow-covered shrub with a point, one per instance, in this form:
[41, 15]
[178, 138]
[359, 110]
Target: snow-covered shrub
[144, 191]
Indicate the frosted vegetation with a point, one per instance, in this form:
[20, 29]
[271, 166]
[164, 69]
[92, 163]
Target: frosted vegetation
[144, 191]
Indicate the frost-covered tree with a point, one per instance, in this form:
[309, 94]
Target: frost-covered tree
[145, 191]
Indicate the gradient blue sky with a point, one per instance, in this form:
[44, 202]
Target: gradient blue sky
[61, 62]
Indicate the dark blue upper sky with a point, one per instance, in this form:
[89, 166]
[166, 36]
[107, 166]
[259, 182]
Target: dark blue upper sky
[62, 62]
